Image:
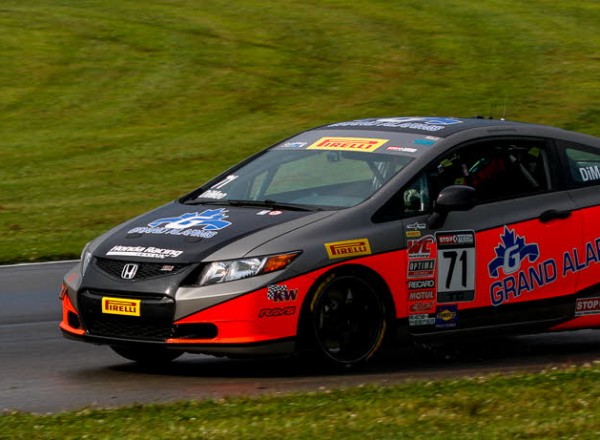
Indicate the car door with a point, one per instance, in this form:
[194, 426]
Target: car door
[499, 263]
[581, 166]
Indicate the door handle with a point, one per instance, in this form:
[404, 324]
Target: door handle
[554, 214]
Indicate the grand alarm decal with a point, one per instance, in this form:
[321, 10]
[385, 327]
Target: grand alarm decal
[513, 250]
[204, 224]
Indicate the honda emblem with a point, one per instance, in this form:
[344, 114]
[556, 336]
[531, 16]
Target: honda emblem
[129, 271]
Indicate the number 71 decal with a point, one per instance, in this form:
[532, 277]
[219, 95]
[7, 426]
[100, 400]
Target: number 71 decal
[456, 266]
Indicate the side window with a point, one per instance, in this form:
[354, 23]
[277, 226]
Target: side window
[499, 169]
[584, 165]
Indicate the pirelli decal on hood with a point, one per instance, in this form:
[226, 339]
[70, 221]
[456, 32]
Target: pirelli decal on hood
[348, 248]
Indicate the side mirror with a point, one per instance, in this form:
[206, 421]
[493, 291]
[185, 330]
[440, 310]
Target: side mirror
[451, 198]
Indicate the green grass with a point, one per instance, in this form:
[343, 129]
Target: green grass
[111, 107]
[552, 405]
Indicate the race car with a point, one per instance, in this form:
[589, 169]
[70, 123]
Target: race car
[353, 234]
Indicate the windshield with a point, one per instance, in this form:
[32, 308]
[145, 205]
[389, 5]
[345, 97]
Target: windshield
[304, 178]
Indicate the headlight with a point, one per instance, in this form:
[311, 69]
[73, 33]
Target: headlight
[223, 271]
[86, 257]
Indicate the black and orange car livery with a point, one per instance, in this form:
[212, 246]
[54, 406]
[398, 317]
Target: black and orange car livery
[349, 233]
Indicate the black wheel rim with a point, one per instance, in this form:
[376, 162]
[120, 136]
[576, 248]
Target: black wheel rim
[349, 320]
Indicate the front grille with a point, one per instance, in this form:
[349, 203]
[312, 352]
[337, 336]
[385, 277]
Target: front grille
[154, 323]
[114, 268]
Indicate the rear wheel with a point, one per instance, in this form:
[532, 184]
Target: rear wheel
[349, 319]
[147, 355]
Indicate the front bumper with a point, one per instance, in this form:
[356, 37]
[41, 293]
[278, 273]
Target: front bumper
[261, 322]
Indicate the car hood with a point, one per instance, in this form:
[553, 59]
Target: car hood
[191, 233]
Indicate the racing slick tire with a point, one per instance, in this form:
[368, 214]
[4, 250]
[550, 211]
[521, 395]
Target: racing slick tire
[148, 356]
[348, 318]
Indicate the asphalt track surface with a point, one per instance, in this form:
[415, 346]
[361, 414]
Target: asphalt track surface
[41, 372]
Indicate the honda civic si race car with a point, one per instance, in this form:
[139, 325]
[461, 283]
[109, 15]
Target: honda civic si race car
[339, 237]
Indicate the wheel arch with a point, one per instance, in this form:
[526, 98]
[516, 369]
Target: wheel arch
[357, 270]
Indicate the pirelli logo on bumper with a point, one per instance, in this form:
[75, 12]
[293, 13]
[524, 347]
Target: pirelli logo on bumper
[348, 248]
[347, 144]
[121, 306]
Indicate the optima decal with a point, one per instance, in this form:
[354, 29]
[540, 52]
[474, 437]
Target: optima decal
[421, 268]
[348, 248]
[345, 143]
[121, 306]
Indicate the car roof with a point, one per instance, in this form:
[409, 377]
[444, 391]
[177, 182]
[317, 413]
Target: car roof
[437, 126]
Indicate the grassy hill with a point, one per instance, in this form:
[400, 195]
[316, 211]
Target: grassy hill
[111, 107]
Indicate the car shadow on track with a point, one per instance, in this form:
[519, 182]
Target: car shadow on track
[467, 357]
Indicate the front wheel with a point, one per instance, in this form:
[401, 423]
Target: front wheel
[349, 319]
[148, 356]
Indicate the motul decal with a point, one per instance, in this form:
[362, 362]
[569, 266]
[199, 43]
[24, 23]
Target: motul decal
[421, 295]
